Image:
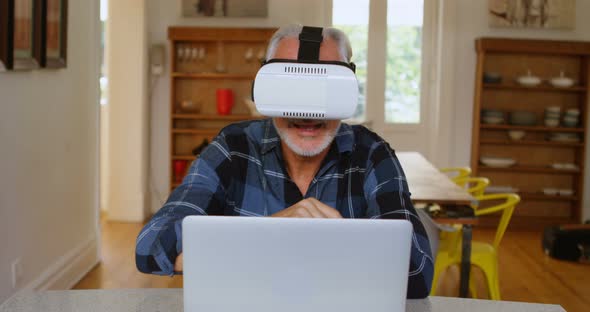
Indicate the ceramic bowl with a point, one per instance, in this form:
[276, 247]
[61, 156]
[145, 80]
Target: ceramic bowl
[561, 82]
[551, 122]
[491, 77]
[553, 109]
[529, 81]
[516, 135]
[523, 118]
[493, 120]
[566, 192]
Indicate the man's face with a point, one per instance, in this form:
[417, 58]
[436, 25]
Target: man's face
[306, 137]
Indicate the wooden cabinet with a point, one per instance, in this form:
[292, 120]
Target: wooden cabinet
[205, 61]
[540, 175]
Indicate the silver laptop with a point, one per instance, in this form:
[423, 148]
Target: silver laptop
[275, 264]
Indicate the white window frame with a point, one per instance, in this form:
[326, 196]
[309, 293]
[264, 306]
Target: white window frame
[376, 72]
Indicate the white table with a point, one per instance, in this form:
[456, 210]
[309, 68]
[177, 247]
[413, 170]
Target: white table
[152, 300]
[427, 184]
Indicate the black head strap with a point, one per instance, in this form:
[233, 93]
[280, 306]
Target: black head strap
[309, 44]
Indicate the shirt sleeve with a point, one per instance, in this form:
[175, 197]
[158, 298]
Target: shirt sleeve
[201, 193]
[388, 197]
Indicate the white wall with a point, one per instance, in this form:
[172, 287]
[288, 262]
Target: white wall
[161, 15]
[49, 167]
[470, 23]
[104, 154]
[128, 132]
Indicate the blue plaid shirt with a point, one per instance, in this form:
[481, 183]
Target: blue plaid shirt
[242, 173]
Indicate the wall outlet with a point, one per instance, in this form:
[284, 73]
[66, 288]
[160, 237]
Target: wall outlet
[17, 272]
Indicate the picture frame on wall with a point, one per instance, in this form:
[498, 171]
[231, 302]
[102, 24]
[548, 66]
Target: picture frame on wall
[54, 33]
[23, 35]
[6, 23]
[225, 8]
[540, 14]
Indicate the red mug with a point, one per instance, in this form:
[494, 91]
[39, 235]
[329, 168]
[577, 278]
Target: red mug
[179, 170]
[225, 101]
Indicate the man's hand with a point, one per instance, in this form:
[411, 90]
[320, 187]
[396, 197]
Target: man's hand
[178, 263]
[308, 208]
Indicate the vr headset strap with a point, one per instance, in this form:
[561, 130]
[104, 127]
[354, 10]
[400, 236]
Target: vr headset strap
[309, 44]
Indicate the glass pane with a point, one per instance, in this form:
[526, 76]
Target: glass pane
[352, 17]
[404, 55]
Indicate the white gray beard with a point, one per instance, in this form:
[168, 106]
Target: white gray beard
[298, 150]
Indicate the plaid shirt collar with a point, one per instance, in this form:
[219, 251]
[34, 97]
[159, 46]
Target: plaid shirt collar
[344, 141]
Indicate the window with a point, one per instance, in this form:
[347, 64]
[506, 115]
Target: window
[352, 17]
[403, 63]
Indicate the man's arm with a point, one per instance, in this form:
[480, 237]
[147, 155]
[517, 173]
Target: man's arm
[159, 243]
[388, 197]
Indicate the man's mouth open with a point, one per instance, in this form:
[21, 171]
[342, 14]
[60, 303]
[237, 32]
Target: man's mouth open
[307, 127]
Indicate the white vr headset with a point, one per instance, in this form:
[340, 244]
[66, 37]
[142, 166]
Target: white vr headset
[307, 87]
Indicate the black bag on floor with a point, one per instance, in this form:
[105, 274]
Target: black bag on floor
[568, 242]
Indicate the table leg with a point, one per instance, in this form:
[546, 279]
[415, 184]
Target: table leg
[465, 261]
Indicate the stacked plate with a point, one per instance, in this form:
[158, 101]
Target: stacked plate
[493, 189]
[552, 116]
[551, 191]
[492, 116]
[564, 137]
[497, 162]
[565, 166]
[571, 118]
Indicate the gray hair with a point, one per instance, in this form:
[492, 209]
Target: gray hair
[293, 31]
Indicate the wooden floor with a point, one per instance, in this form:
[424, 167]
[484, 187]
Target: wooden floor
[526, 273]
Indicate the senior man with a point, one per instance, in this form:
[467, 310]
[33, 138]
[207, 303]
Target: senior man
[293, 168]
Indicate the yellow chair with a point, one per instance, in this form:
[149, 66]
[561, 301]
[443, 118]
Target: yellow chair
[476, 186]
[483, 255]
[457, 172]
[448, 240]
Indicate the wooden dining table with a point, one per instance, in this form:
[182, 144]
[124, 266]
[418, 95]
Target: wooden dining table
[428, 185]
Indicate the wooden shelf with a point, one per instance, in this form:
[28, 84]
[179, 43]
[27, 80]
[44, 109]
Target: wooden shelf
[534, 143]
[540, 88]
[529, 169]
[212, 76]
[196, 131]
[543, 197]
[534, 153]
[530, 128]
[184, 157]
[215, 117]
[198, 81]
